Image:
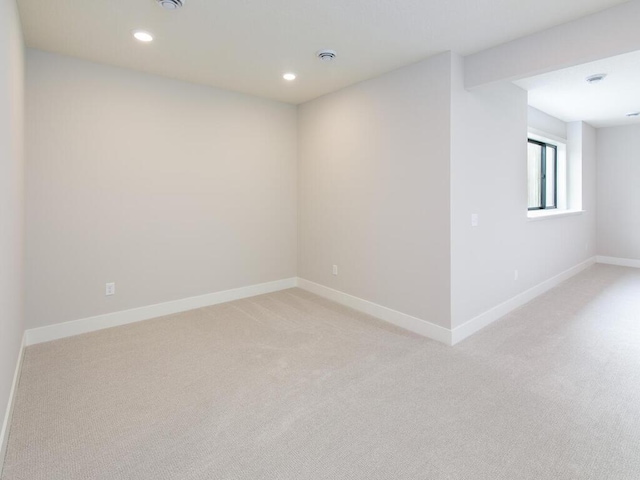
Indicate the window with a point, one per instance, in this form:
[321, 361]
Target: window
[542, 168]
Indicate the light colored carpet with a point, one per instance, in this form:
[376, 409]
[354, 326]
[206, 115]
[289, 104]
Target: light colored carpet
[291, 386]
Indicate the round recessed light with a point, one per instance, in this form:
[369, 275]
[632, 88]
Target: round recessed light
[143, 36]
[289, 76]
[597, 78]
[633, 114]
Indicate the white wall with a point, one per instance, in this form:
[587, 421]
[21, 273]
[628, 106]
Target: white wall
[11, 199]
[619, 192]
[488, 177]
[174, 190]
[374, 190]
[373, 187]
[543, 122]
[168, 189]
[603, 34]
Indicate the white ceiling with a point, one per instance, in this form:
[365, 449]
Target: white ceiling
[566, 95]
[246, 45]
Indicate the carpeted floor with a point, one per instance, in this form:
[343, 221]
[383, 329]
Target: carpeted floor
[291, 386]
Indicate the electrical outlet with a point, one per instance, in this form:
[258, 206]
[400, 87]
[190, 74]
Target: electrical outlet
[475, 220]
[110, 289]
[335, 270]
[515, 275]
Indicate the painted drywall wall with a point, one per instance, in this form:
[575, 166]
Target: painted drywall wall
[166, 188]
[11, 199]
[619, 192]
[488, 178]
[374, 190]
[545, 123]
[601, 35]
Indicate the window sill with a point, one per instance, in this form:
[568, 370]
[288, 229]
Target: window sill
[537, 215]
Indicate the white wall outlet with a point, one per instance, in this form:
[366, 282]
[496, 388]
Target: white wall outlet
[515, 275]
[110, 289]
[475, 220]
[335, 270]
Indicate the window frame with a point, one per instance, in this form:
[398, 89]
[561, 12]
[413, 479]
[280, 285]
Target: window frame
[543, 176]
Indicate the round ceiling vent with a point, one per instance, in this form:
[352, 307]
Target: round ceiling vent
[597, 78]
[171, 4]
[326, 55]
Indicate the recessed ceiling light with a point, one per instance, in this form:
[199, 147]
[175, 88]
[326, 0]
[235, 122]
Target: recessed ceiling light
[143, 36]
[289, 76]
[597, 78]
[633, 114]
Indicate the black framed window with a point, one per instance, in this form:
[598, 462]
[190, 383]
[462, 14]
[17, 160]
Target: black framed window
[542, 168]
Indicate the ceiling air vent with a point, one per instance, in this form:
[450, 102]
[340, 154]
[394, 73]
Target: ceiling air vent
[597, 78]
[326, 55]
[171, 4]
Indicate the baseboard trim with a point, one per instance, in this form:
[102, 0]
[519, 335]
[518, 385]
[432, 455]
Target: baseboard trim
[621, 262]
[484, 319]
[422, 327]
[6, 424]
[99, 322]
[408, 322]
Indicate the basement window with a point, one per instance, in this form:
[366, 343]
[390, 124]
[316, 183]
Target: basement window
[555, 181]
[542, 170]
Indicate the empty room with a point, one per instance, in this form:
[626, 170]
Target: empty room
[319, 240]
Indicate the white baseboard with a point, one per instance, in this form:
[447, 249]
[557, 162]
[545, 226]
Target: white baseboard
[475, 324]
[422, 327]
[431, 330]
[413, 324]
[77, 327]
[621, 262]
[4, 433]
